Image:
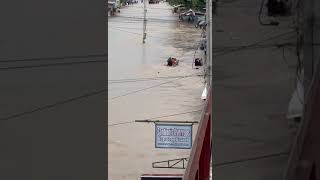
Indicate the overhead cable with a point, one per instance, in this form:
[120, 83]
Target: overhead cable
[144, 89]
[57, 58]
[251, 159]
[115, 81]
[254, 44]
[55, 104]
[51, 65]
[158, 117]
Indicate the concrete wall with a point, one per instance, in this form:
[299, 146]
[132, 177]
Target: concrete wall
[65, 141]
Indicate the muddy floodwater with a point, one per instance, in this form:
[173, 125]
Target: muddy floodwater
[140, 86]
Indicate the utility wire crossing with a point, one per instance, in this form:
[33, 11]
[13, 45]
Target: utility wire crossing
[55, 104]
[51, 65]
[143, 89]
[255, 43]
[57, 58]
[114, 81]
[251, 159]
[159, 121]
[158, 117]
[66, 101]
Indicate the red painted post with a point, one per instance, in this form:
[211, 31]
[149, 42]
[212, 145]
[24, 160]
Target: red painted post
[304, 159]
[198, 167]
[204, 164]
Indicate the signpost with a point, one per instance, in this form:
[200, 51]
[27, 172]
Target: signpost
[175, 136]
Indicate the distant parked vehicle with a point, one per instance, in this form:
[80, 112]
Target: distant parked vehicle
[200, 22]
[178, 8]
[131, 2]
[154, 1]
[187, 16]
[113, 7]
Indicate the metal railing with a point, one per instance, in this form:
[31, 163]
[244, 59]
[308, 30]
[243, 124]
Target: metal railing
[172, 163]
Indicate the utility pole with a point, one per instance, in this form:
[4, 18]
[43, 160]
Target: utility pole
[308, 62]
[209, 8]
[144, 21]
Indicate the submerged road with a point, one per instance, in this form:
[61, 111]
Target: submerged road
[131, 148]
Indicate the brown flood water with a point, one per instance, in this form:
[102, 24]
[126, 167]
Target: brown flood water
[131, 148]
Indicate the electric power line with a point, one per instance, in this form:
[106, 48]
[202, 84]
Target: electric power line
[51, 65]
[171, 115]
[150, 8]
[222, 48]
[55, 104]
[158, 117]
[232, 49]
[114, 81]
[121, 123]
[135, 33]
[150, 22]
[58, 58]
[254, 44]
[119, 29]
[132, 18]
[228, 50]
[143, 89]
[141, 18]
[284, 56]
[251, 159]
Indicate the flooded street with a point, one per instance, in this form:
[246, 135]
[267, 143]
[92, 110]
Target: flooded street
[141, 86]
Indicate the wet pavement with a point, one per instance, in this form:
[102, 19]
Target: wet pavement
[131, 148]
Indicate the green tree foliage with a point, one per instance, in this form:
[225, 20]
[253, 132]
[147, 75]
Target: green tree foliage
[193, 4]
[198, 4]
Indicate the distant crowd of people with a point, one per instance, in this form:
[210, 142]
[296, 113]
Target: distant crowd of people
[131, 2]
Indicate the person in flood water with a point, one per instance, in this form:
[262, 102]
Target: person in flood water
[172, 61]
[198, 62]
[169, 61]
